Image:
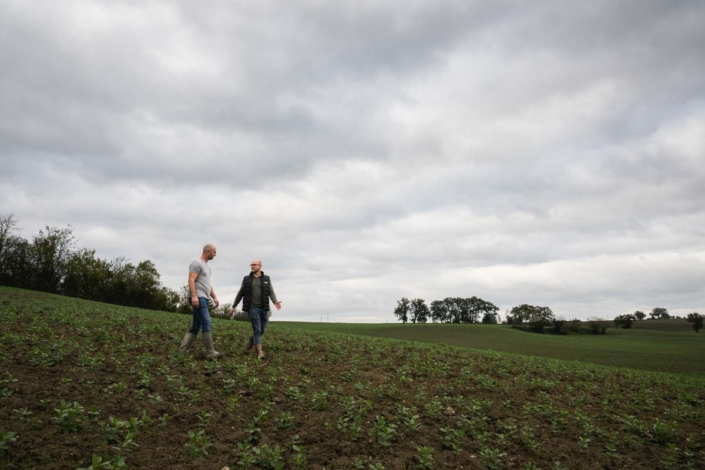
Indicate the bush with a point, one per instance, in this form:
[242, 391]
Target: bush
[624, 321]
[696, 319]
[598, 327]
[576, 326]
[557, 326]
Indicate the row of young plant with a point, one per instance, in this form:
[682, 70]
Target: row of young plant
[425, 406]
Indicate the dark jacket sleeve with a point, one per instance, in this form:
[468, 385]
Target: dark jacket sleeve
[239, 295]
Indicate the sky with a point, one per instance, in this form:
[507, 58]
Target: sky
[549, 153]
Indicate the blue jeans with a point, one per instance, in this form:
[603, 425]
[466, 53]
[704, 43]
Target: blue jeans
[258, 318]
[201, 318]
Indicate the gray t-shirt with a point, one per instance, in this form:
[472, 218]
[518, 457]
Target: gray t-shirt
[203, 280]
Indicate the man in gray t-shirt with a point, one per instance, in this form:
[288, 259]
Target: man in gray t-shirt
[199, 284]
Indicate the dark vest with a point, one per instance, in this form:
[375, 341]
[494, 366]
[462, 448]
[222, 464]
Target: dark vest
[247, 292]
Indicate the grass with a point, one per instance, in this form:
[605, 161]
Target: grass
[662, 346]
[88, 384]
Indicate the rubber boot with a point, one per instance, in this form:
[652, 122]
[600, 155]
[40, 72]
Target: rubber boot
[211, 353]
[186, 342]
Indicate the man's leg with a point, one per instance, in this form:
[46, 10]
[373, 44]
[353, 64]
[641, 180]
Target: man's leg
[192, 333]
[256, 320]
[263, 318]
[211, 353]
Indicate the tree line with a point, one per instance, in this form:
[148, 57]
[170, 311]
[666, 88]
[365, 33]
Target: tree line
[658, 313]
[51, 262]
[448, 310]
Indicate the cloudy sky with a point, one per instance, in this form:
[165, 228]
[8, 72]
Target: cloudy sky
[550, 153]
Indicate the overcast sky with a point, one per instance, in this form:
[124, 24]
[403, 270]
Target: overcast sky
[550, 152]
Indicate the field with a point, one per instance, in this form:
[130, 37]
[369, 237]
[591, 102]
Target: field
[661, 346]
[83, 381]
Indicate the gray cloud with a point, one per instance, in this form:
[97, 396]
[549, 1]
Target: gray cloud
[539, 153]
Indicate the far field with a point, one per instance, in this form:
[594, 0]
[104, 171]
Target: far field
[661, 345]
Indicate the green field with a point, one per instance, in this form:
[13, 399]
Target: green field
[663, 346]
[90, 385]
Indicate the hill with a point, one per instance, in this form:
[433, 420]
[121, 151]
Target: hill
[84, 382]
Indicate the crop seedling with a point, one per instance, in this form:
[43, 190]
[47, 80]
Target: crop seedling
[6, 437]
[424, 459]
[298, 457]
[320, 400]
[385, 432]
[284, 420]
[269, 458]
[452, 439]
[492, 458]
[252, 434]
[69, 416]
[203, 418]
[198, 443]
[97, 463]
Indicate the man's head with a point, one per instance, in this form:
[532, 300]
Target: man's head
[208, 252]
[256, 266]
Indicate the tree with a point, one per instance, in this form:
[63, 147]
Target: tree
[402, 310]
[51, 250]
[696, 319]
[537, 317]
[8, 224]
[419, 311]
[439, 311]
[624, 321]
[639, 315]
[659, 313]
[521, 313]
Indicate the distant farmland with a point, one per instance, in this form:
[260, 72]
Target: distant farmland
[655, 345]
[90, 385]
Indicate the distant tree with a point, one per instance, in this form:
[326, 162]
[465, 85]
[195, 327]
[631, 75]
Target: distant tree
[521, 313]
[456, 309]
[639, 315]
[8, 224]
[697, 320]
[624, 321]
[50, 251]
[537, 317]
[439, 311]
[402, 310]
[658, 313]
[419, 311]
[598, 325]
[482, 309]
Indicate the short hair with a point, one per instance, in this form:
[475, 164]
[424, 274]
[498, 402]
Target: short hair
[209, 247]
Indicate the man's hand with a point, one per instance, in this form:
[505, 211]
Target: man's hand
[231, 312]
[194, 301]
[217, 302]
[278, 304]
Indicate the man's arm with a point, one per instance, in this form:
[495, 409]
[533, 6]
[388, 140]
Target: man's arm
[192, 287]
[238, 298]
[215, 297]
[273, 297]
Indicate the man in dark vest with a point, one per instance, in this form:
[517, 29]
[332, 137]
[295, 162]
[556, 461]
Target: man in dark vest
[255, 292]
